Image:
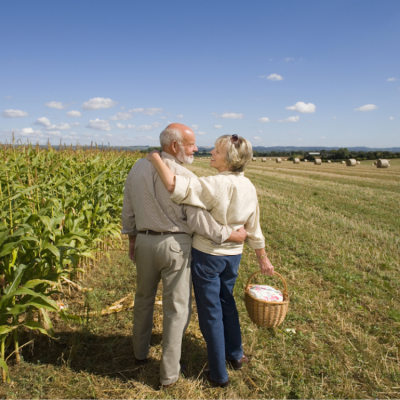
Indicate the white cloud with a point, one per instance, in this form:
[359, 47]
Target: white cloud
[140, 137]
[163, 117]
[29, 131]
[367, 107]
[290, 119]
[14, 113]
[273, 77]
[147, 111]
[43, 121]
[8, 97]
[75, 124]
[391, 118]
[288, 59]
[121, 116]
[334, 117]
[51, 127]
[257, 138]
[179, 116]
[73, 113]
[121, 126]
[148, 127]
[322, 137]
[201, 133]
[53, 133]
[260, 131]
[195, 126]
[230, 116]
[302, 107]
[56, 104]
[98, 102]
[62, 126]
[392, 79]
[217, 126]
[99, 125]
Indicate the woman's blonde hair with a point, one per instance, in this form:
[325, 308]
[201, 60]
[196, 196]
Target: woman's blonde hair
[239, 151]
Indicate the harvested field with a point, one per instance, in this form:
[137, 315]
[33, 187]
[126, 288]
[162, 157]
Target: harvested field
[331, 231]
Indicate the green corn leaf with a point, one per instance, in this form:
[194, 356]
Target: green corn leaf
[19, 194]
[18, 274]
[36, 303]
[46, 221]
[4, 329]
[52, 248]
[47, 322]
[3, 237]
[35, 325]
[25, 291]
[34, 282]
[4, 366]
[8, 248]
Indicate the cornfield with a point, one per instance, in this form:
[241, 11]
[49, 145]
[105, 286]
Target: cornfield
[59, 209]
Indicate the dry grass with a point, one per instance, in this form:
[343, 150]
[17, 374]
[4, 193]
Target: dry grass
[332, 232]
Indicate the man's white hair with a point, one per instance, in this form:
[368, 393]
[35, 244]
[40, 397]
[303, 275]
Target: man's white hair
[170, 134]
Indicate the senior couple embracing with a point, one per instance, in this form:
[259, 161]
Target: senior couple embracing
[185, 229]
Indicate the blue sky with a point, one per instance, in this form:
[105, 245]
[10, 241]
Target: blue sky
[309, 73]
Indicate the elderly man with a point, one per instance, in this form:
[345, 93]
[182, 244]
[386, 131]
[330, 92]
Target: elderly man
[160, 239]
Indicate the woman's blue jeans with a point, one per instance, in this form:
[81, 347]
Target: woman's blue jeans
[213, 281]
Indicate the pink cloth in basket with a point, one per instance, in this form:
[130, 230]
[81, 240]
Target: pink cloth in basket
[266, 293]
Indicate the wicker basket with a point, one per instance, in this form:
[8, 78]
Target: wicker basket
[266, 313]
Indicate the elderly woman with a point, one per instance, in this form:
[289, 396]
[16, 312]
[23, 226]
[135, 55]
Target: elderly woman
[232, 200]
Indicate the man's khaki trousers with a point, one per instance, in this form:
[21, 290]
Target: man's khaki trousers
[166, 258]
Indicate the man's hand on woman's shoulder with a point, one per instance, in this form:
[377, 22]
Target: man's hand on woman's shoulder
[238, 236]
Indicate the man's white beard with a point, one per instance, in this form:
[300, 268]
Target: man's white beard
[183, 158]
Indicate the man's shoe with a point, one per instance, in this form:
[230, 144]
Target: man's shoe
[161, 386]
[238, 364]
[206, 374]
[140, 362]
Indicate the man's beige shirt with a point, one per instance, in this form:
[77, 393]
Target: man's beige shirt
[231, 199]
[147, 205]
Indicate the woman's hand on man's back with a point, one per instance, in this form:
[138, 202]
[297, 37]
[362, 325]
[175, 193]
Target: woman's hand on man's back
[150, 156]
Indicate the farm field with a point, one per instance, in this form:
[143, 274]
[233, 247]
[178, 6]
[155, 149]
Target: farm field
[332, 231]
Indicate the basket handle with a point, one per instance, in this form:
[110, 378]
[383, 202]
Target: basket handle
[285, 292]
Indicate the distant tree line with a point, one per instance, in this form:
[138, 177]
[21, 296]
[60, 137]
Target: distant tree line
[339, 154]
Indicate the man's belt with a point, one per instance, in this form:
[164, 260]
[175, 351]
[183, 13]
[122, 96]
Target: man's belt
[150, 232]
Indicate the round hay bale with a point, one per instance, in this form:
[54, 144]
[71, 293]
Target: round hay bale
[264, 160]
[296, 161]
[383, 164]
[305, 160]
[375, 163]
[279, 160]
[254, 159]
[358, 163]
[343, 162]
[317, 161]
[351, 162]
[329, 161]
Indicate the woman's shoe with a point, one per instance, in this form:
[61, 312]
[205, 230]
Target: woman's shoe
[238, 364]
[206, 374]
[140, 362]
